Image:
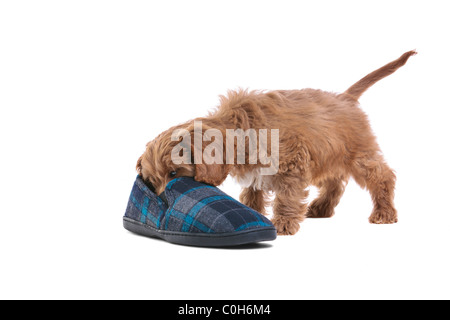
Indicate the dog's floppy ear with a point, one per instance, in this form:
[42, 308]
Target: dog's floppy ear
[213, 174]
[208, 155]
[139, 165]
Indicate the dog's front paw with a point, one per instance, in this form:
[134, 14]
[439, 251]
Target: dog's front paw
[384, 216]
[286, 226]
[320, 210]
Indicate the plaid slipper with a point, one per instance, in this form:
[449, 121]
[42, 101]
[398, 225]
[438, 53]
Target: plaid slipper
[196, 214]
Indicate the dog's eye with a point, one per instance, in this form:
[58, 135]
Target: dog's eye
[172, 174]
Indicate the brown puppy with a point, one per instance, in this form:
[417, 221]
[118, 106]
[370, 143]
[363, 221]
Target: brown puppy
[324, 138]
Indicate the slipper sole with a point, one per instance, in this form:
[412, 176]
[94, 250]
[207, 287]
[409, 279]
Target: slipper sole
[202, 239]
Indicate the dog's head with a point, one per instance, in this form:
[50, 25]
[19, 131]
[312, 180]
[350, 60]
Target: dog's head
[161, 163]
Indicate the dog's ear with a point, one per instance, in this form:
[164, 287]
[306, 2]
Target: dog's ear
[139, 165]
[209, 155]
[213, 174]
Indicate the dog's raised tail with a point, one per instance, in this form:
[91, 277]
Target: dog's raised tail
[356, 90]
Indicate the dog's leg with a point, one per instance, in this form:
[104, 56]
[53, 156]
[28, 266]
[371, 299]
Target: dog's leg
[331, 191]
[289, 207]
[375, 175]
[255, 199]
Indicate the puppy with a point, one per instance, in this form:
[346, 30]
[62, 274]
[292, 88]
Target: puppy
[324, 139]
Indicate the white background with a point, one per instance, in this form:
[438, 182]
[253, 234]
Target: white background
[85, 84]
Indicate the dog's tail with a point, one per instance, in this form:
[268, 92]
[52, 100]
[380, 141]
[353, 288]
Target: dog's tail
[356, 90]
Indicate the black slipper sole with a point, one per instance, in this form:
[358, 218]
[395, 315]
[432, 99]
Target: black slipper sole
[203, 239]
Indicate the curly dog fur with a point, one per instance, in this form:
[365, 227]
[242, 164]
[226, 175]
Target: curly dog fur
[325, 138]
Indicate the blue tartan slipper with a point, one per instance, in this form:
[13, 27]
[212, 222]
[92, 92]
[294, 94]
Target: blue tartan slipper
[193, 213]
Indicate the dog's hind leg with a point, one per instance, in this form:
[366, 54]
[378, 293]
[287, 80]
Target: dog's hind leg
[331, 191]
[375, 175]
